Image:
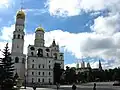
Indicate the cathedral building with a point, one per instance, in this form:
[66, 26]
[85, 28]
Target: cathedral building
[39, 60]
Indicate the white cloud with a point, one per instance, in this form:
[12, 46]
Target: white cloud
[75, 7]
[107, 25]
[7, 33]
[80, 44]
[5, 3]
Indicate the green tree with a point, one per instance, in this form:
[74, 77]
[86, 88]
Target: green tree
[8, 68]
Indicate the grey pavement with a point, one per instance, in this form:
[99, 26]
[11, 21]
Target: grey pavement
[88, 86]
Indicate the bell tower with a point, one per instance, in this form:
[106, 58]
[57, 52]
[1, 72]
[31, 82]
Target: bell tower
[18, 45]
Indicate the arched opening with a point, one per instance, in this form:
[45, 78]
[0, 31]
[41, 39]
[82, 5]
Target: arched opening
[32, 48]
[38, 79]
[43, 80]
[40, 52]
[22, 37]
[32, 80]
[16, 60]
[49, 80]
[32, 53]
[14, 36]
[18, 36]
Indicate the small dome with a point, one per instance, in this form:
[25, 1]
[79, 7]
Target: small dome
[40, 29]
[20, 15]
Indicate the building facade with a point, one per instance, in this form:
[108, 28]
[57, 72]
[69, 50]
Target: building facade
[40, 59]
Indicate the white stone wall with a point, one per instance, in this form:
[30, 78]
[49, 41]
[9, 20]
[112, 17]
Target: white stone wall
[46, 60]
[17, 48]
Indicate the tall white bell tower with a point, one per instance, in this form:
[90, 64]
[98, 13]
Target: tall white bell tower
[18, 45]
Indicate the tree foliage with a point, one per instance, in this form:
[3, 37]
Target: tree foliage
[7, 68]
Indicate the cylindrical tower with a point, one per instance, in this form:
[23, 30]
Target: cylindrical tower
[18, 45]
[39, 37]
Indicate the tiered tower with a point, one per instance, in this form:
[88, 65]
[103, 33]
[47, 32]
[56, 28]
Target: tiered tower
[18, 45]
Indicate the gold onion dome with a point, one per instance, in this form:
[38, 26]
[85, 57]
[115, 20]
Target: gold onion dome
[20, 15]
[40, 29]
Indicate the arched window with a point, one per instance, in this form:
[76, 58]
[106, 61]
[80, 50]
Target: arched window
[43, 65]
[49, 73]
[32, 53]
[43, 80]
[32, 48]
[47, 50]
[47, 55]
[32, 80]
[16, 60]
[18, 36]
[14, 36]
[39, 65]
[43, 73]
[39, 73]
[32, 65]
[49, 80]
[22, 37]
[40, 52]
[38, 79]
[49, 66]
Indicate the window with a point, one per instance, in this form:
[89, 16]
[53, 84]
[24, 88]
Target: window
[18, 36]
[38, 79]
[49, 61]
[40, 52]
[32, 53]
[23, 60]
[48, 50]
[32, 48]
[49, 66]
[22, 37]
[32, 80]
[16, 60]
[32, 60]
[32, 65]
[47, 55]
[49, 80]
[43, 80]
[43, 73]
[39, 65]
[49, 73]
[32, 73]
[43, 65]
[14, 36]
[39, 73]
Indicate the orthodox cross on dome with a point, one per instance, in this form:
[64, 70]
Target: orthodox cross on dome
[21, 5]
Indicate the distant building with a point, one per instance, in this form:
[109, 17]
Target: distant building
[83, 68]
[88, 67]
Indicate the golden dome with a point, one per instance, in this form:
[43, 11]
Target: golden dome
[40, 29]
[20, 15]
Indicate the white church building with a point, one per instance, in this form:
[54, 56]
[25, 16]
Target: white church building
[39, 60]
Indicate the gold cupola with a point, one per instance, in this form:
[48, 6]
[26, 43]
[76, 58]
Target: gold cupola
[40, 29]
[20, 15]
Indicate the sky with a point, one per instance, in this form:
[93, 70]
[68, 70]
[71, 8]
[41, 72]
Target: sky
[85, 30]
